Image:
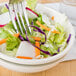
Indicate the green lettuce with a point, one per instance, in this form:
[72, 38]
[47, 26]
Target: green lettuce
[3, 33]
[59, 27]
[59, 38]
[4, 10]
[50, 46]
[31, 4]
[9, 25]
[52, 37]
[12, 42]
[39, 18]
[10, 53]
[14, 1]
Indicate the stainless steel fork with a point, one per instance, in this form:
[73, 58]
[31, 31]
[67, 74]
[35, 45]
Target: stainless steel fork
[19, 11]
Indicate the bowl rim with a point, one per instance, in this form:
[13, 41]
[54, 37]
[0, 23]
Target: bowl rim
[41, 61]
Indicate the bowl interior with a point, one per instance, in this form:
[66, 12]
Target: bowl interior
[60, 18]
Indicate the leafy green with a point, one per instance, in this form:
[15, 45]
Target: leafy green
[10, 53]
[30, 38]
[39, 18]
[9, 25]
[59, 38]
[51, 50]
[4, 10]
[31, 4]
[12, 42]
[49, 46]
[14, 1]
[52, 36]
[3, 33]
[59, 27]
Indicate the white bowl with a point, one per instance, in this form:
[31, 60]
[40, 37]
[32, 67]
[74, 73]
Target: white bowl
[31, 66]
[27, 68]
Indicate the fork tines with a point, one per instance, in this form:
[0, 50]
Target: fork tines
[19, 13]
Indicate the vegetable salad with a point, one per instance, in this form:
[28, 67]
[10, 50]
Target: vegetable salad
[48, 38]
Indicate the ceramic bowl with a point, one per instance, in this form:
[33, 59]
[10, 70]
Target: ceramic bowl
[37, 65]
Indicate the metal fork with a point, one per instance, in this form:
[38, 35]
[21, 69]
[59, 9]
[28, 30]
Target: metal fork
[19, 11]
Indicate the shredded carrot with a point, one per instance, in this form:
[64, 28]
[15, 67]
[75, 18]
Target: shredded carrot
[36, 38]
[56, 32]
[23, 57]
[52, 18]
[43, 26]
[37, 51]
[17, 35]
[4, 40]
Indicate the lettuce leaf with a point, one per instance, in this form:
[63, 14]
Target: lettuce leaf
[10, 53]
[14, 1]
[39, 18]
[50, 46]
[9, 25]
[4, 10]
[59, 38]
[3, 33]
[59, 27]
[31, 4]
[12, 42]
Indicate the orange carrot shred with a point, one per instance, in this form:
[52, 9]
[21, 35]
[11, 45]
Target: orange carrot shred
[23, 57]
[43, 26]
[56, 32]
[36, 38]
[17, 35]
[52, 18]
[3, 41]
[37, 51]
